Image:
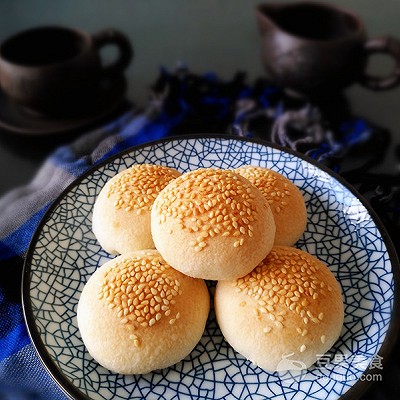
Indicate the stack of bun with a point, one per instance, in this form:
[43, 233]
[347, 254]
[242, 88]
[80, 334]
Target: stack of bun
[147, 308]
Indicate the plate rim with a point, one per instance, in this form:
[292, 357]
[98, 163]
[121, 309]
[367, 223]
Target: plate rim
[64, 384]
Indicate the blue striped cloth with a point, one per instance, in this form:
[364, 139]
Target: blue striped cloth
[180, 99]
[21, 373]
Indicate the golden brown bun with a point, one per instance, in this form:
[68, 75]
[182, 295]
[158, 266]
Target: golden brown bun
[289, 306]
[137, 314]
[285, 199]
[212, 224]
[121, 213]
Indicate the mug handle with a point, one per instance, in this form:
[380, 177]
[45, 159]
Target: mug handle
[117, 38]
[388, 45]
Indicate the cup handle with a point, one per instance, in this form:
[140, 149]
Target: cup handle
[388, 45]
[114, 37]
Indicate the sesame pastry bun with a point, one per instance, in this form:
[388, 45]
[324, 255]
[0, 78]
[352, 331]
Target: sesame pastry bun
[285, 199]
[289, 307]
[121, 213]
[137, 314]
[212, 224]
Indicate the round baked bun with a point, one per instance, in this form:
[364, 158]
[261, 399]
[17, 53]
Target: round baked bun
[137, 314]
[289, 307]
[285, 199]
[121, 213]
[212, 224]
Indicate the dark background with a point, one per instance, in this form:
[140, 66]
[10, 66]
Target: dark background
[207, 35]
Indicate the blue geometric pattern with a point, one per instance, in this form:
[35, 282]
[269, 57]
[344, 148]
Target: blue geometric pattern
[340, 232]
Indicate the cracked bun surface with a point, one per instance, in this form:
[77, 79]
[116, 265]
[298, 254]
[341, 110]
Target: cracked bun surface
[285, 199]
[121, 213]
[137, 314]
[212, 224]
[290, 305]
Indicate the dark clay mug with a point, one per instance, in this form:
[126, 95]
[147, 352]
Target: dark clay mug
[56, 70]
[314, 49]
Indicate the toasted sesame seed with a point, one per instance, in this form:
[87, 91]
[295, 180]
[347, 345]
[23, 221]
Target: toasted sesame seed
[275, 187]
[284, 279]
[136, 293]
[279, 324]
[136, 187]
[218, 196]
[323, 339]
[303, 348]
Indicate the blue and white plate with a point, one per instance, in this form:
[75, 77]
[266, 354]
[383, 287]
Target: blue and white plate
[342, 231]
